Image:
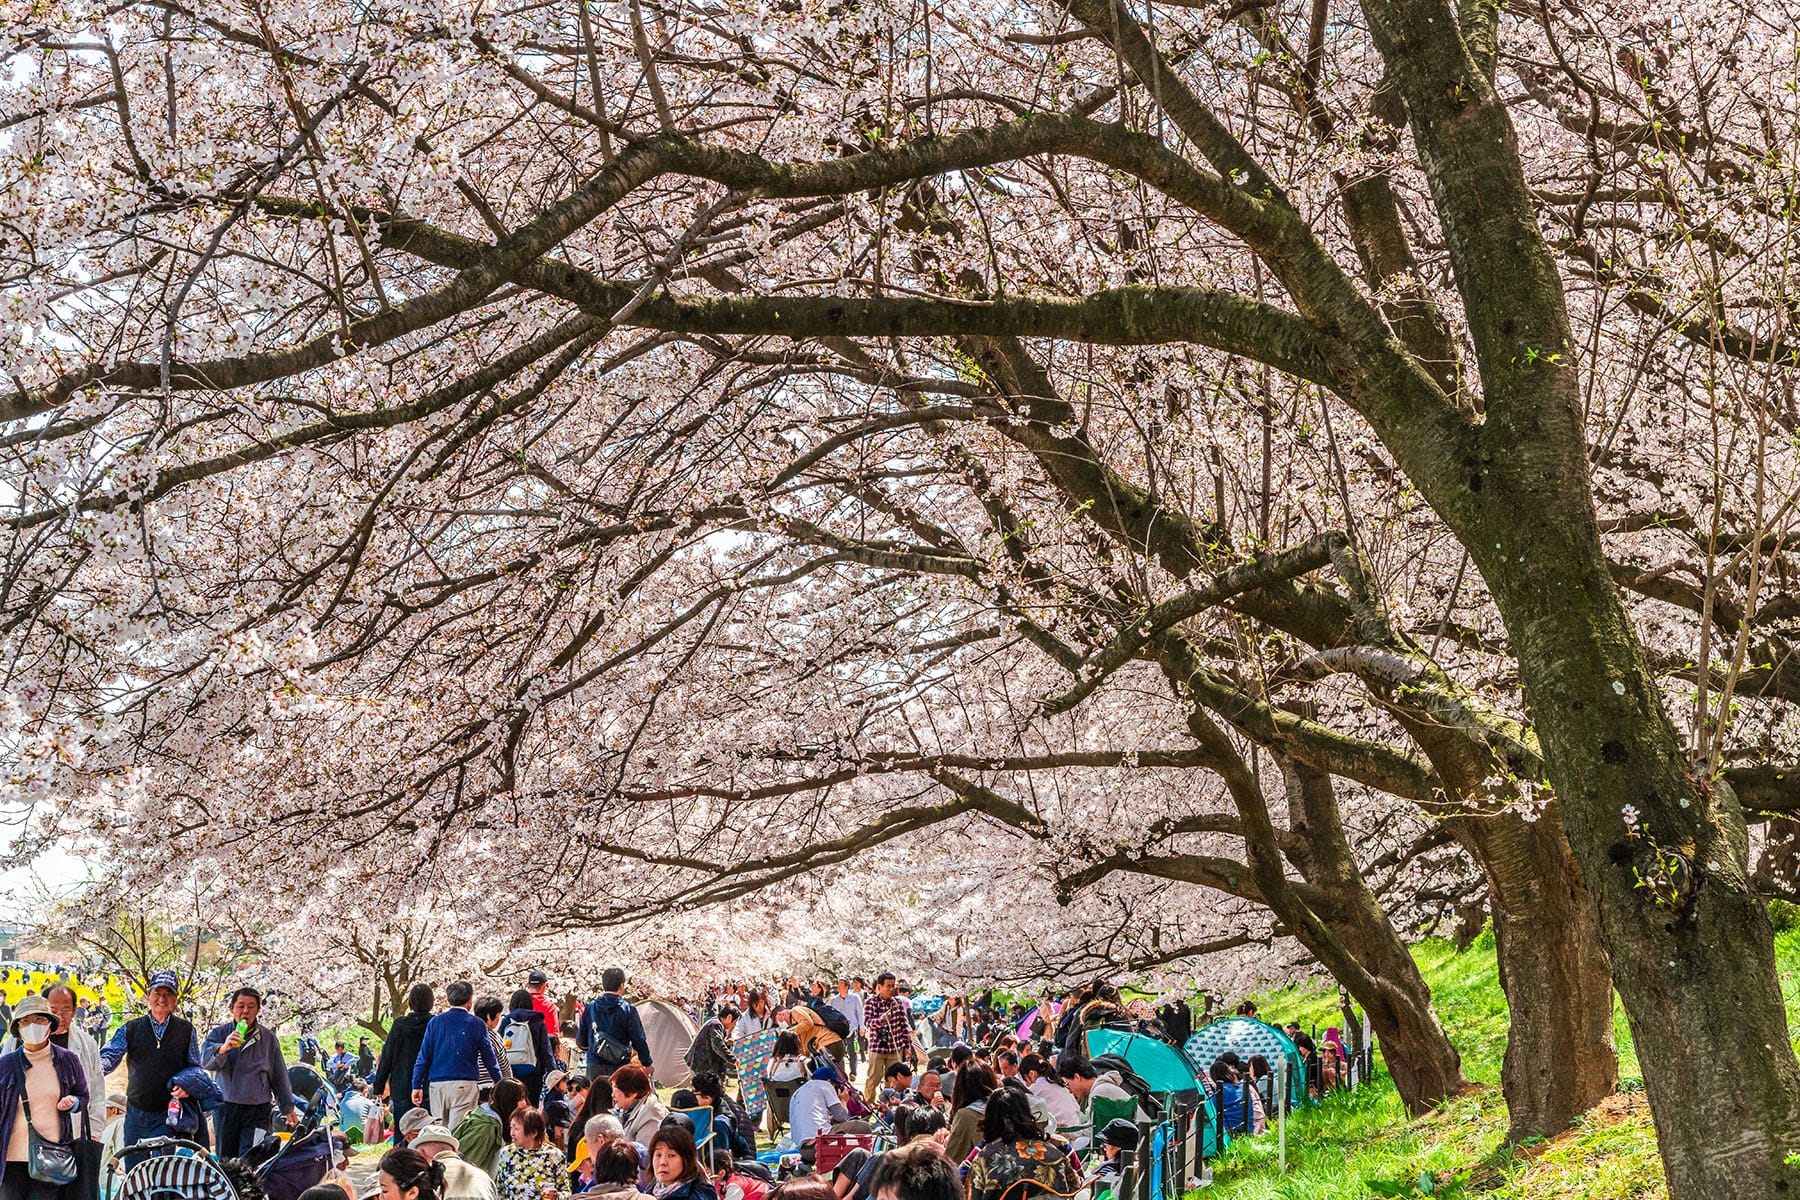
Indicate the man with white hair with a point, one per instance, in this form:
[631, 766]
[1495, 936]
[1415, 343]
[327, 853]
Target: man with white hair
[601, 1128]
[462, 1180]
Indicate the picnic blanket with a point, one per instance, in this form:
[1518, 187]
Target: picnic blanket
[753, 1054]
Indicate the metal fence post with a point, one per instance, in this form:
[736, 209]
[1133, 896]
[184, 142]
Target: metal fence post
[1281, 1103]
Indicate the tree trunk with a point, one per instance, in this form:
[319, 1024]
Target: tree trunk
[1560, 1057]
[1368, 957]
[1361, 948]
[1664, 854]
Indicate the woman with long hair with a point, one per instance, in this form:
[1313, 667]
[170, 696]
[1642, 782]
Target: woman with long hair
[485, 1131]
[1015, 1149]
[393, 1074]
[974, 1084]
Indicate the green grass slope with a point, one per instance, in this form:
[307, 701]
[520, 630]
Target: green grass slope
[1337, 1149]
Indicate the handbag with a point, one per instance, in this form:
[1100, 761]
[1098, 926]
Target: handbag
[47, 1161]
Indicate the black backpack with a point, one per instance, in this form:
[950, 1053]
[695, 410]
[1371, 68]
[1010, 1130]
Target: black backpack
[833, 1020]
[1131, 1081]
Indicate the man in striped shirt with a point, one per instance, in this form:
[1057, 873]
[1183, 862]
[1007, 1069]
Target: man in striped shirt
[888, 1023]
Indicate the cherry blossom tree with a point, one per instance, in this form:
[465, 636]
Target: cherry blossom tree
[528, 450]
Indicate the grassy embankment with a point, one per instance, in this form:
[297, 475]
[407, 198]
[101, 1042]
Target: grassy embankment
[1336, 1150]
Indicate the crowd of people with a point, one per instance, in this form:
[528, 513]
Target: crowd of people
[491, 1099]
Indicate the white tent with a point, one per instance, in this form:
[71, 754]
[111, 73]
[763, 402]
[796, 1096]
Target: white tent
[670, 1032]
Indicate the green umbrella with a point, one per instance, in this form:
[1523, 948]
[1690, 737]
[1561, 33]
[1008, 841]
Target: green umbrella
[1159, 1064]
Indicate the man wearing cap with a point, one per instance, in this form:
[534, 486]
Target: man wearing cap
[252, 1075]
[462, 1180]
[155, 1048]
[537, 984]
[408, 1127]
[1116, 1136]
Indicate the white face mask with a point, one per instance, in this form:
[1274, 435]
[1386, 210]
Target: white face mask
[35, 1033]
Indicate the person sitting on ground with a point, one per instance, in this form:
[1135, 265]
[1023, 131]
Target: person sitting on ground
[802, 1187]
[733, 1184]
[929, 1089]
[974, 1084]
[483, 1132]
[1238, 1106]
[1040, 1111]
[600, 1129]
[1261, 1077]
[1088, 1085]
[1117, 1136]
[818, 1107]
[1041, 1079]
[1309, 1062]
[529, 1165]
[463, 1180]
[894, 1086]
[731, 1124]
[408, 1175]
[675, 1166]
[786, 1063]
[1014, 1149]
[616, 1170]
[916, 1172]
[912, 1123]
[639, 1109]
[597, 1100]
[559, 1114]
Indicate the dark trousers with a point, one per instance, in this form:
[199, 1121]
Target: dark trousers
[533, 1082]
[17, 1184]
[238, 1126]
[141, 1124]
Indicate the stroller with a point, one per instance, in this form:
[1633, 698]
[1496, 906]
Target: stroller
[275, 1170]
[285, 1169]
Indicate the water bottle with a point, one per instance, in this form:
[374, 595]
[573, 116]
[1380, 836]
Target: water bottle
[174, 1114]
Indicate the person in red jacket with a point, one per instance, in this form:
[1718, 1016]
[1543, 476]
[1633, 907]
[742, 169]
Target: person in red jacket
[537, 984]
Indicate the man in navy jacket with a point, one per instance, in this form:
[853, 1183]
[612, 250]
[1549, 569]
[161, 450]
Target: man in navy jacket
[611, 1029]
[448, 1068]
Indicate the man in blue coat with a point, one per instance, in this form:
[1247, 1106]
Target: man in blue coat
[448, 1069]
[611, 1029]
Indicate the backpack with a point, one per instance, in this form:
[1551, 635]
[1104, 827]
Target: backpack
[1131, 1081]
[831, 1018]
[521, 1049]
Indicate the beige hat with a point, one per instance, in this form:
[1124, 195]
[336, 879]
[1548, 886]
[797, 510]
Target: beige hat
[34, 1006]
[415, 1120]
[554, 1078]
[436, 1134]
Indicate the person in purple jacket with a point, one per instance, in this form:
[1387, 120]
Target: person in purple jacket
[44, 1085]
[448, 1068]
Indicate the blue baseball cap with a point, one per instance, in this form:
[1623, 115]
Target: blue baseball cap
[164, 979]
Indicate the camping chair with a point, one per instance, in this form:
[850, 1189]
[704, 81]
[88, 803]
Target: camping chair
[702, 1119]
[1102, 1110]
[779, 1095]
